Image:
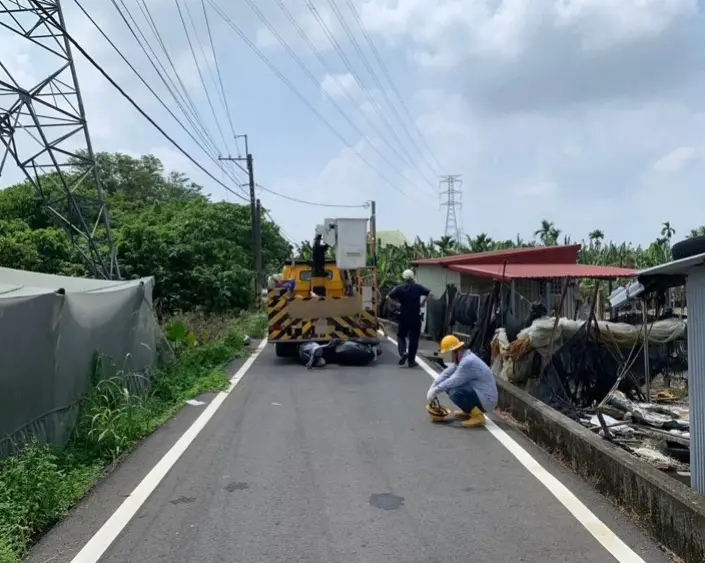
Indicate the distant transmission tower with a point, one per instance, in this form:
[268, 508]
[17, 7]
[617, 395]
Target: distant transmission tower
[43, 128]
[452, 200]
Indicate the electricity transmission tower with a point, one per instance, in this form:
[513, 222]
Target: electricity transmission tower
[43, 130]
[452, 200]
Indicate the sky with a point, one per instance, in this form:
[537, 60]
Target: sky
[587, 113]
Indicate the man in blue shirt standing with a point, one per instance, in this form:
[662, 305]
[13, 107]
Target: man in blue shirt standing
[469, 382]
[411, 297]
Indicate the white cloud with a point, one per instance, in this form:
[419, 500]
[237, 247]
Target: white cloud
[676, 160]
[573, 111]
[341, 86]
[537, 189]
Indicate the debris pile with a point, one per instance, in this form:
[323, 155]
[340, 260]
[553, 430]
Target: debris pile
[657, 433]
[594, 372]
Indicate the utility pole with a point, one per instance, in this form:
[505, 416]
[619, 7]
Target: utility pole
[258, 247]
[453, 203]
[255, 223]
[373, 232]
[43, 131]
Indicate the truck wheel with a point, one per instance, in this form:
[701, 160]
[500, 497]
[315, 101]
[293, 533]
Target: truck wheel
[688, 247]
[284, 349]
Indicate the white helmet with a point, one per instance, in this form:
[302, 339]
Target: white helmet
[408, 275]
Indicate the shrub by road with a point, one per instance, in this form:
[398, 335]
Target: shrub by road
[41, 483]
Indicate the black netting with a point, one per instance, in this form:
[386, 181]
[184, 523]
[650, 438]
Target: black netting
[465, 312]
[436, 317]
[585, 371]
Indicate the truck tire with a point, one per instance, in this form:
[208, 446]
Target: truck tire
[688, 247]
[285, 349]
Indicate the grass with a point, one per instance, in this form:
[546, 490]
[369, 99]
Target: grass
[41, 483]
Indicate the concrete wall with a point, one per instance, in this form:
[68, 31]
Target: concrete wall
[673, 513]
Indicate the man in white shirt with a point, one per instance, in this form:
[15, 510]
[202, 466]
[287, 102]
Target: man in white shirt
[468, 381]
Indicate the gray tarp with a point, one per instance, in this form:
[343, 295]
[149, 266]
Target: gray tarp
[49, 339]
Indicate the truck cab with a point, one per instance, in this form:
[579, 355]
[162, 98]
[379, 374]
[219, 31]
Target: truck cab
[300, 272]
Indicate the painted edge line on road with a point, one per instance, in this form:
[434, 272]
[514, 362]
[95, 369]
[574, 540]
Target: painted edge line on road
[607, 538]
[111, 529]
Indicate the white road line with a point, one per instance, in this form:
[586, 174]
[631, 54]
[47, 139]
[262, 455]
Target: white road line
[103, 538]
[609, 540]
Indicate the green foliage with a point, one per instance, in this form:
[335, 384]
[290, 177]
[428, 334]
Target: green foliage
[199, 251]
[392, 260]
[39, 484]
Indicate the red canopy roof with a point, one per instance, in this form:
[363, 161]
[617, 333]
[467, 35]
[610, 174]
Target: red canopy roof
[564, 254]
[510, 272]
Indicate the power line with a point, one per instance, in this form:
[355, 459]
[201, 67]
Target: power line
[207, 144]
[313, 203]
[315, 81]
[298, 94]
[147, 14]
[220, 76]
[146, 116]
[373, 74]
[286, 235]
[374, 103]
[181, 99]
[144, 82]
[389, 78]
[198, 69]
[346, 92]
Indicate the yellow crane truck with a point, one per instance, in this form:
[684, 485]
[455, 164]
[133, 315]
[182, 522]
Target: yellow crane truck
[323, 300]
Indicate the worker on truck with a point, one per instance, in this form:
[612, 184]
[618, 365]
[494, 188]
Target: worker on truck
[411, 297]
[468, 381]
[318, 270]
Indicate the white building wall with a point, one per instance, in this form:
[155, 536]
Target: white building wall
[436, 278]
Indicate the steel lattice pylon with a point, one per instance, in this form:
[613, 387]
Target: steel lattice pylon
[453, 202]
[43, 128]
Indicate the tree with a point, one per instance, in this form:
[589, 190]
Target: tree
[548, 234]
[199, 251]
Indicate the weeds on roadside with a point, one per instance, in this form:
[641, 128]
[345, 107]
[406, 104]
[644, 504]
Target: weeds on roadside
[40, 483]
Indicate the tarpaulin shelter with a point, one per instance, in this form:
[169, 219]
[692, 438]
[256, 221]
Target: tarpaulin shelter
[51, 328]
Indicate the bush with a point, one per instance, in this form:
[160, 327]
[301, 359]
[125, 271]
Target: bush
[40, 483]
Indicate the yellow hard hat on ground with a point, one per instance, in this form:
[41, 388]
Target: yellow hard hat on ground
[450, 343]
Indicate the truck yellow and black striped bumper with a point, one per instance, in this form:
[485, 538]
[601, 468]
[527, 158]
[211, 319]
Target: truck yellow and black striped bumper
[283, 328]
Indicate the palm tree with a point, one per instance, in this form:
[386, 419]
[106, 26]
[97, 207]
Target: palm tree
[699, 232]
[481, 243]
[596, 237]
[446, 246]
[667, 231]
[548, 234]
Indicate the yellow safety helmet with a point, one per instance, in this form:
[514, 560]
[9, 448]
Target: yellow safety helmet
[450, 343]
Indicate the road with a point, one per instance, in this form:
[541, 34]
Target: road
[340, 465]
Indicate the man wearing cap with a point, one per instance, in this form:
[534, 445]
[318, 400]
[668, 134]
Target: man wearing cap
[468, 381]
[411, 297]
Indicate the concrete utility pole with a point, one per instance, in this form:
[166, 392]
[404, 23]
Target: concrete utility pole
[258, 253]
[373, 232]
[254, 219]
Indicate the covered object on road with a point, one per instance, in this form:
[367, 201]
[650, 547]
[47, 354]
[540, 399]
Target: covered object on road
[51, 329]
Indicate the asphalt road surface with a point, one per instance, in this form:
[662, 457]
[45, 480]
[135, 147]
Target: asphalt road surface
[341, 465]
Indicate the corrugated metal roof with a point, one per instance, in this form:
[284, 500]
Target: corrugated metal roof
[675, 267]
[541, 271]
[565, 254]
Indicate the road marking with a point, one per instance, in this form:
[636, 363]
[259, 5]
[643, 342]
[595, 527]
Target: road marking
[607, 538]
[103, 538]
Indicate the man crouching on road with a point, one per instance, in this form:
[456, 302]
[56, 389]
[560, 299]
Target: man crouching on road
[469, 382]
